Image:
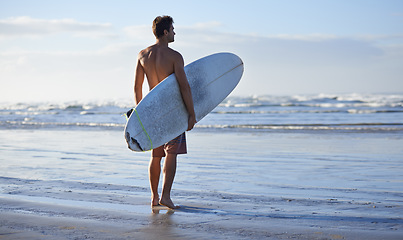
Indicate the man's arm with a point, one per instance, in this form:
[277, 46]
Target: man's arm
[185, 90]
[138, 82]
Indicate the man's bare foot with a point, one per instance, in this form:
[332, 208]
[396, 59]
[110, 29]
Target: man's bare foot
[168, 203]
[155, 202]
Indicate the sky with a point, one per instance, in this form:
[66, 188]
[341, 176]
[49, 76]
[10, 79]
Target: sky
[86, 50]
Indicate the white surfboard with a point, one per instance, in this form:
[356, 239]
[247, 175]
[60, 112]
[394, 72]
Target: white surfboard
[161, 115]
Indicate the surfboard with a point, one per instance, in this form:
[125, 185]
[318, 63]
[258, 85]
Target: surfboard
[161, 115]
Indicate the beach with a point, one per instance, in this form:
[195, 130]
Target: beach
[295, 110]
[84, 183]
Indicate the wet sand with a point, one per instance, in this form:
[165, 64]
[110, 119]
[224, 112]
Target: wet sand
[59, 185]
[44, 218]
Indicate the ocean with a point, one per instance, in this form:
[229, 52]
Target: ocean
[323, 161]
[343, 112]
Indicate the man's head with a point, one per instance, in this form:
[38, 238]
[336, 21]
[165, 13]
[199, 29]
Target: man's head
[163, 26]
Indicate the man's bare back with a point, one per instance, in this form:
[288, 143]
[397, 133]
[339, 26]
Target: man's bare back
[158, 63]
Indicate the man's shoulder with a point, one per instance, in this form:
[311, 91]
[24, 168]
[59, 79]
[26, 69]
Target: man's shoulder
[175, 54]
[145, 51]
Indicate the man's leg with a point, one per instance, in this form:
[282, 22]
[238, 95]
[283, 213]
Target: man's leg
[169, 175]
[154, 170]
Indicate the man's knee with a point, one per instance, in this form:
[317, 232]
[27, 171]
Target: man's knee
[155, 160]
[171, 156]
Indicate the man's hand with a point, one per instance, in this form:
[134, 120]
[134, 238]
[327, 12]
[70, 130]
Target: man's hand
[191, 122]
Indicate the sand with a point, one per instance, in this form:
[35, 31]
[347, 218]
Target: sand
[61, 185]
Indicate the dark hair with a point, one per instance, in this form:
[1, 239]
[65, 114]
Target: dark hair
[160, 24]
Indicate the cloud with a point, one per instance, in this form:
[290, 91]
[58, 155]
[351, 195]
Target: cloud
[30, 27]
[275, 64]
[139, 33]
[288, 49]
[303, 63]
[206, 31]
[304, 37]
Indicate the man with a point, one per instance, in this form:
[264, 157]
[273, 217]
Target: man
[158, 62]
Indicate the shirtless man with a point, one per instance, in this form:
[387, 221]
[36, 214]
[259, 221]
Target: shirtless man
[158, 62]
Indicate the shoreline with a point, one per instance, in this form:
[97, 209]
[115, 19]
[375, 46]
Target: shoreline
[39, 219]
[66, 185]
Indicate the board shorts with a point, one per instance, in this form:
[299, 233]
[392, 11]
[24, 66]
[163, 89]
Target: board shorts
[175, 146]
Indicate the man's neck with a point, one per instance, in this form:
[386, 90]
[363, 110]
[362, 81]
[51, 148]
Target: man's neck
[162, 42]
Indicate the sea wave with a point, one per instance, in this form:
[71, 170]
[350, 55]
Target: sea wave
[360, 127]
[351, 111]
[340, 127]
[59, 125]
[320, 100]
[358, 112]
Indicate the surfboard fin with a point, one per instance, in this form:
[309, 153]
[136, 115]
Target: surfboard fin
[137, 143]
[133, 141]
[128, 113]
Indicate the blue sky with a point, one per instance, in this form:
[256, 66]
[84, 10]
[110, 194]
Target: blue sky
[71, 50]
